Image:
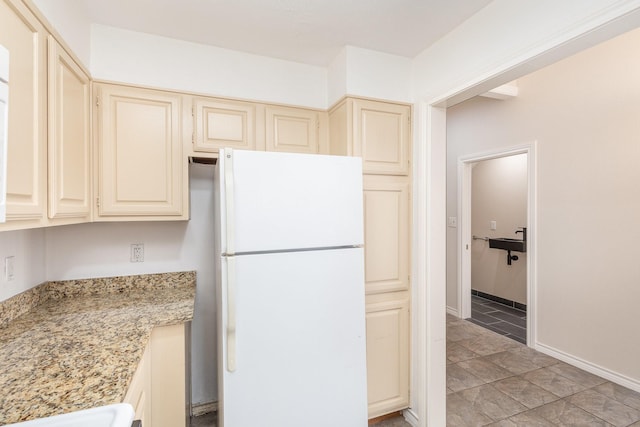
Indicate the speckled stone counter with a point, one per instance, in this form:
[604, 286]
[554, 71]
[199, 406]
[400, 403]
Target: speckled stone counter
[80, 342]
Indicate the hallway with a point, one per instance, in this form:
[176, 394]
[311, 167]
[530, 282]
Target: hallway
[494, 380]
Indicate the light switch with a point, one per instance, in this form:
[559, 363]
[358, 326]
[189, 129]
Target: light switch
[452, 222]
[492, 225]
[9, 268]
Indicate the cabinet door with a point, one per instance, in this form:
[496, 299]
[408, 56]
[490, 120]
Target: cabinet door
[69, 143]
[382, 135]
[142, 172]
[386, 233]
[221, 123]
[387, 353]
[139, 391]
[168, 376]
[292, 130]
[23, 35]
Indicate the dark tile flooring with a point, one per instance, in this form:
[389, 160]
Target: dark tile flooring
[499, 318]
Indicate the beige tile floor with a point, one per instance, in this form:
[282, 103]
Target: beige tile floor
[495, 381]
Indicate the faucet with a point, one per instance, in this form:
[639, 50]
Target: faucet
[523, 230]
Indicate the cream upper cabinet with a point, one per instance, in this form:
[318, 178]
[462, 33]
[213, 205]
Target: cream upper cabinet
[219, 123]
[386, 233]
[387, 320]
[142, 173]
[294, 130]
[69, 142]
[25, 38]
[379, 132]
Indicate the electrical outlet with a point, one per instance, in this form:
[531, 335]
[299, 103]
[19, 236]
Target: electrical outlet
[9, 268]
[137, 252]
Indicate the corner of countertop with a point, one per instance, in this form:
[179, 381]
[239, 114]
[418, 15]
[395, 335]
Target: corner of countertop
[22, 303]
[26, 301]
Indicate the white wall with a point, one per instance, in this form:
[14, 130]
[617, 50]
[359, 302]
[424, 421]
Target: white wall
[498, 193]
[28, 249]
[149, 60]
[583, 113]
[132, 57]
[508, 38]
[378, 75]
[102, 249]
[69, 18]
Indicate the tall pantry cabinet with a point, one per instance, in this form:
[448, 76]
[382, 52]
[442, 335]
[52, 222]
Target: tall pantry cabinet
[380, 133]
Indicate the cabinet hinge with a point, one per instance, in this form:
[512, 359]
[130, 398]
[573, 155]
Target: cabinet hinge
[98, 202]
[97, 101]
[193, 111]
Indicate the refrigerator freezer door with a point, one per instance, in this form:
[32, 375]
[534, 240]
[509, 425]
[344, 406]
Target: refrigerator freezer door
[284, 201]
[300, 341]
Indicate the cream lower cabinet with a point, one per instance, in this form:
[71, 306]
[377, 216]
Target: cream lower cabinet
[387, 265]
[387, 320]
[142, 173]
[157, 391]
[25, 38]
[140, 390]
[69, 154]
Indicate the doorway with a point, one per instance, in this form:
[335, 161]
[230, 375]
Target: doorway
[495, 280]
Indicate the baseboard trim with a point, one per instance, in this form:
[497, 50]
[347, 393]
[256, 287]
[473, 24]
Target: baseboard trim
[204, 408]
[411, 417]
[605, 373]
[453, 311]
[504, 301]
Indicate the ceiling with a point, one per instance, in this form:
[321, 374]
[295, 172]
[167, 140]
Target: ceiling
[306, 31]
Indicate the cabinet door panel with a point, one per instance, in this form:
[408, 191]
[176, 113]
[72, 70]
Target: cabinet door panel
[24, 37]
[140, 389]
[386, 227]
[69, 143]
[291, 130]
[168, 376]
[221, 123]
[382, 136]
[388, 355]
[140, 153]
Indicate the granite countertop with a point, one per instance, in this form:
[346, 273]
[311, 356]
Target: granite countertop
[80, 343]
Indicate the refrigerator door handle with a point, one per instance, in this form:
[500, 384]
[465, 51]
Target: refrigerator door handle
[229, 201]
[231, 314]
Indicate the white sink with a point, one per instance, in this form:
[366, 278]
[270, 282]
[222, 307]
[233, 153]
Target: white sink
[117, 415]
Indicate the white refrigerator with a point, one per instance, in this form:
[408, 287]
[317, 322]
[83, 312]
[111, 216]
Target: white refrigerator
[290, 290]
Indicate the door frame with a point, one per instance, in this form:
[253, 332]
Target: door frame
[465, 165]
